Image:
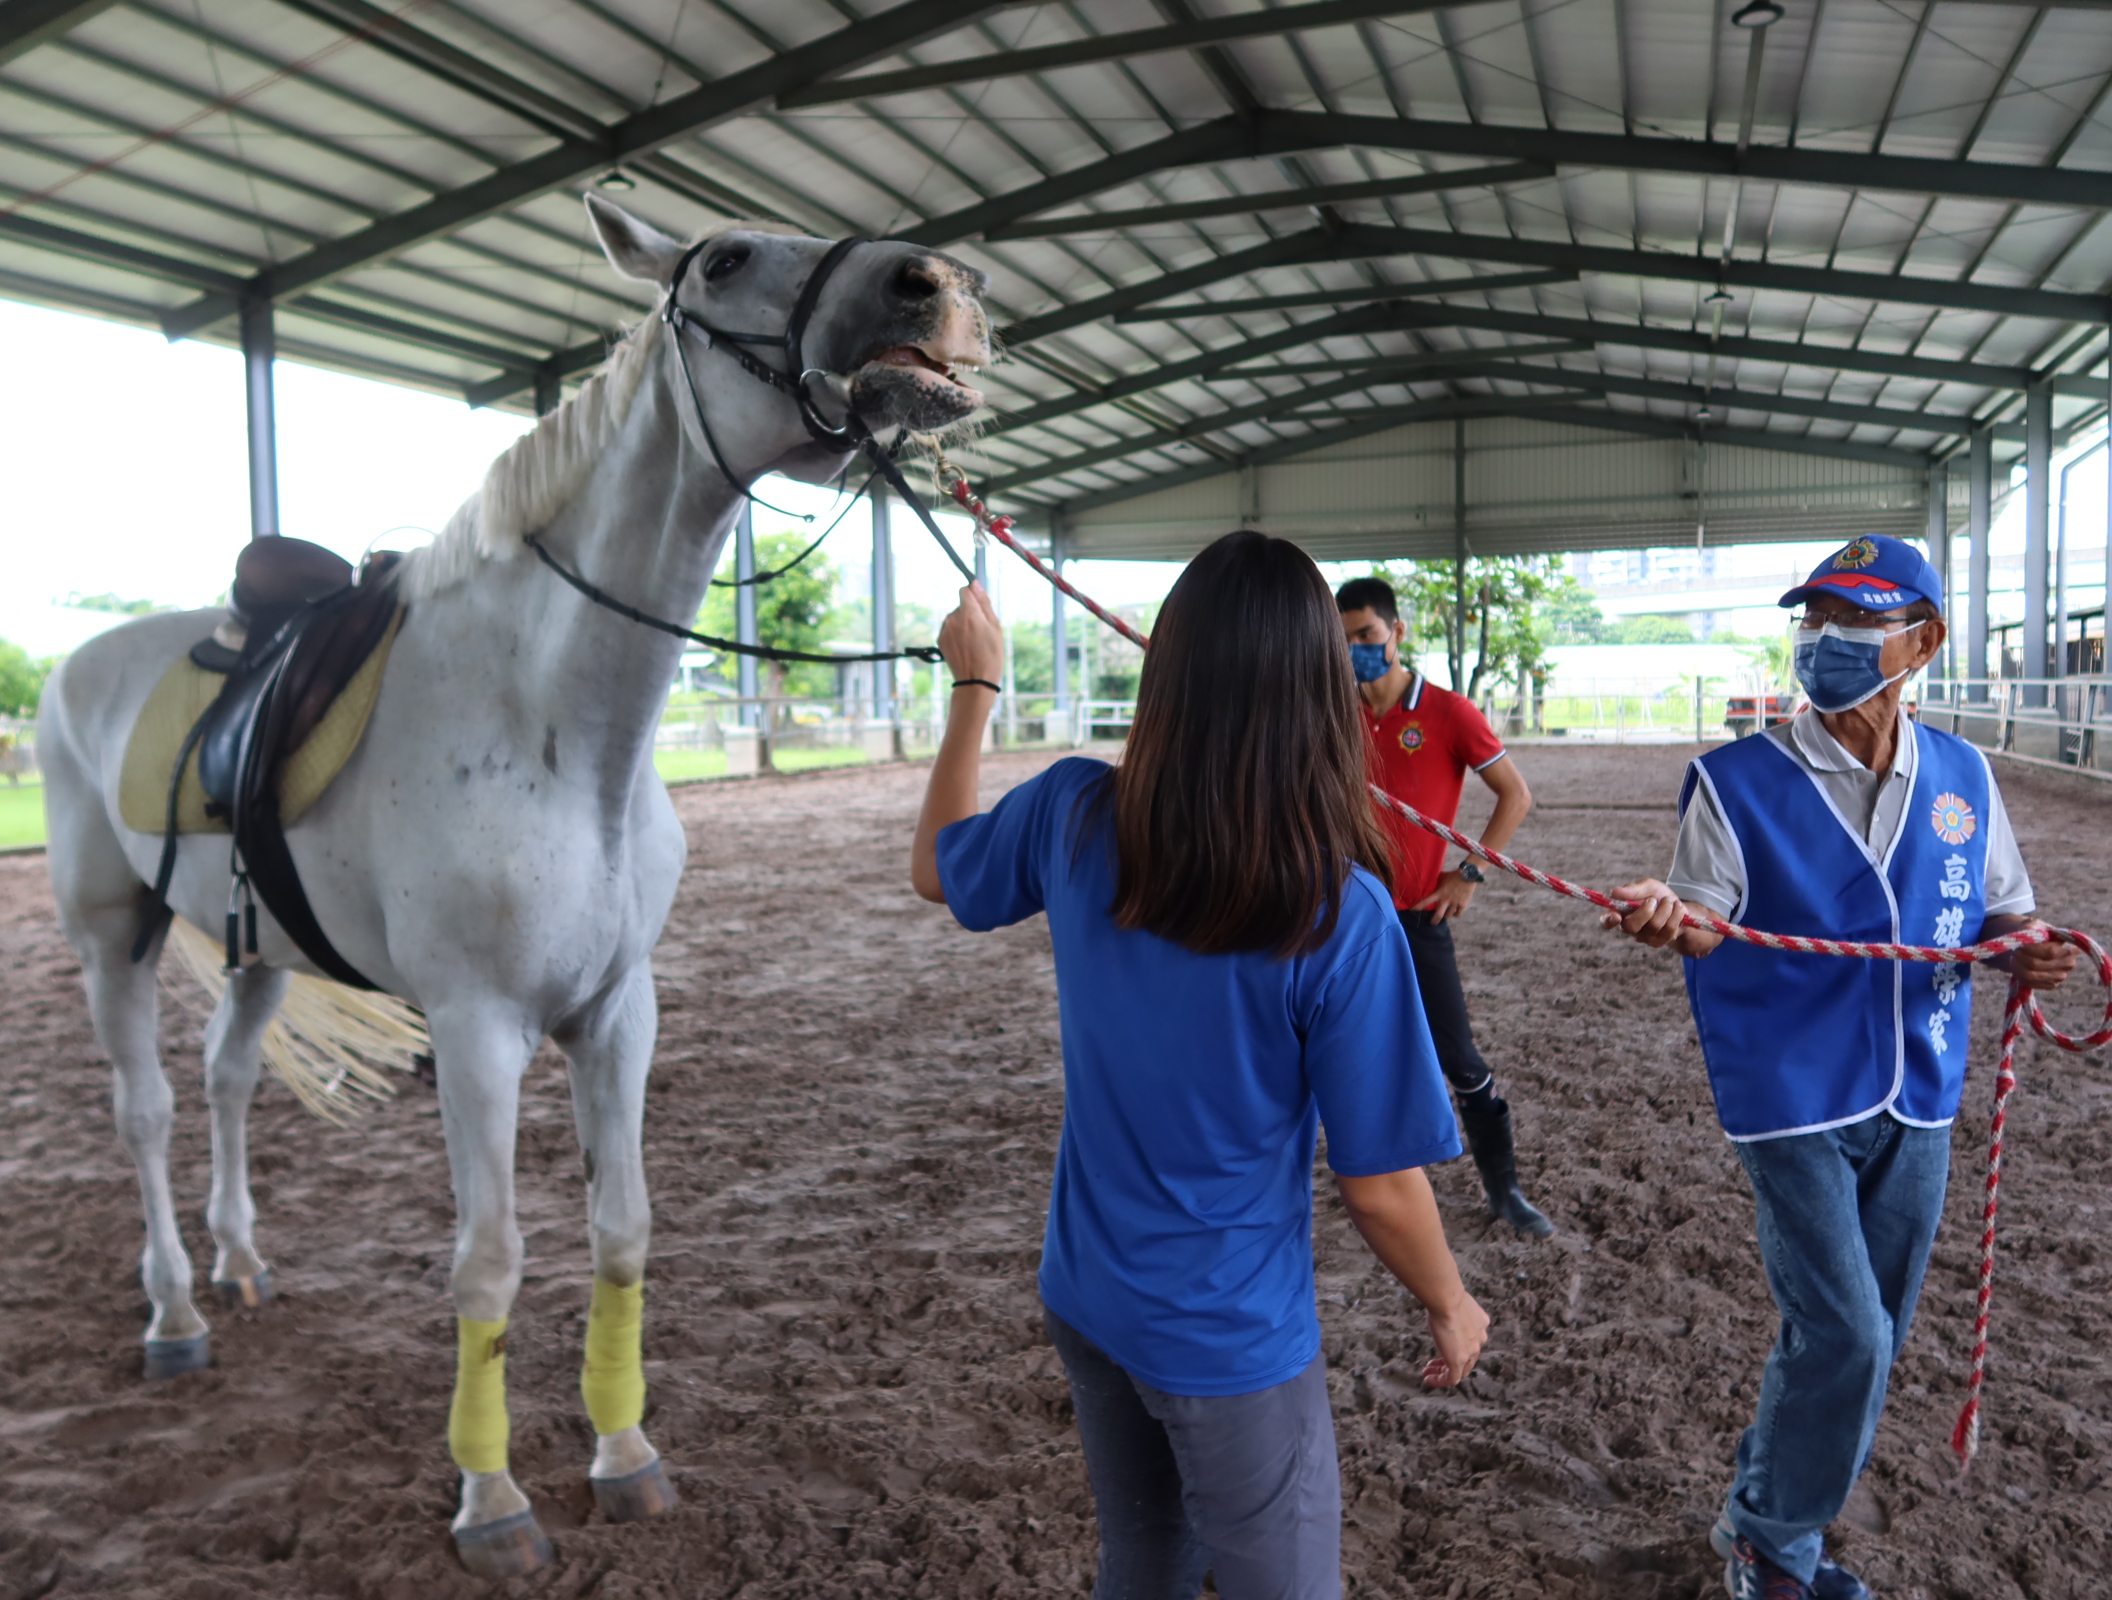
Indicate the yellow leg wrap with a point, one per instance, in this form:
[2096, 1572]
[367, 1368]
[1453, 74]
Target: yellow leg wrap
[476, 1422]
[612, 1380]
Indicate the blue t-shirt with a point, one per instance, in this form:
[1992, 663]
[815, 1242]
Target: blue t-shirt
[1180, 1235]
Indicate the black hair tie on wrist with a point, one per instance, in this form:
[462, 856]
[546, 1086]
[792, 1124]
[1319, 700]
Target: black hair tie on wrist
[979, 683]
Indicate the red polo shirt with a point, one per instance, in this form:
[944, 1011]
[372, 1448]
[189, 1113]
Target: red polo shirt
[1424, 747]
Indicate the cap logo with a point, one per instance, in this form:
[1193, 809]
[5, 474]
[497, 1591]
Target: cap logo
[1953, 819]
[1856, 553]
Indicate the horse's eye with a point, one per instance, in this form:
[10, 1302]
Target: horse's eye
[725, 266]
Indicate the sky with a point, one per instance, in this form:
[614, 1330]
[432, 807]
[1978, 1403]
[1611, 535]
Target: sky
[126, 474]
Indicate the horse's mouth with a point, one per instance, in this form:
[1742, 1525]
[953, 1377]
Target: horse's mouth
[938, 369]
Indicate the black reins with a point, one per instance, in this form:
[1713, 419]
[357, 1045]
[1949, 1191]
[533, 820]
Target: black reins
[852, 432]
[762, 652]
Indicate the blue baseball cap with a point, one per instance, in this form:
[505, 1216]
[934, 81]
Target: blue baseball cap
[1876, 572]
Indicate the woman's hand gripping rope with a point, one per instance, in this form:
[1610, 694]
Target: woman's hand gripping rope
[1652, 913]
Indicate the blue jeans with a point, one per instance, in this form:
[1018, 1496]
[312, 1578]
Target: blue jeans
[1846, 1219]
[1243, 1485]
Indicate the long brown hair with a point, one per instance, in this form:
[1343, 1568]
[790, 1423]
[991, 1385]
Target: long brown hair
[1241, 802]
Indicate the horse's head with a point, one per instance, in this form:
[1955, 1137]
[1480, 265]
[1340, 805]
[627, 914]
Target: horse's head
[888, 333]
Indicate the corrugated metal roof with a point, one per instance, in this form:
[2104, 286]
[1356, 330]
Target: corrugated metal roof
[1860, 231]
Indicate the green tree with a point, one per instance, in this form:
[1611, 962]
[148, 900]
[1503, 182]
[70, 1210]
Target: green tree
[1775, 659]
[1570, 615]
[21, 679]
[111, 602]
[1511, 610]
[1650, 630]
[792, 612]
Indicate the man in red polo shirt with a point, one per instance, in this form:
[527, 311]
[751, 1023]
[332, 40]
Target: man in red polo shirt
[1427, 739]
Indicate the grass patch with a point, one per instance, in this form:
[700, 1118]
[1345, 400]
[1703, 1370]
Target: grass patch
[679, 766]
[22, 809]
[803, 760]
[683, 766]
[21, 815]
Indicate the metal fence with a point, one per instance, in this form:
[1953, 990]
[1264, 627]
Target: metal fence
[2060, 722]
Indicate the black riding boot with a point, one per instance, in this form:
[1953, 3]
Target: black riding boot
[1496, 1157]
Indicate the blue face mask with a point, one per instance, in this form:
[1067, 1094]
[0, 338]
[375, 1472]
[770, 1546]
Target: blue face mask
[1368, 662]
[1841, 667]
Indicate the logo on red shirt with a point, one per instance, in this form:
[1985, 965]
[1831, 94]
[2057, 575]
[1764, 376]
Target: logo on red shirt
[1411, 736]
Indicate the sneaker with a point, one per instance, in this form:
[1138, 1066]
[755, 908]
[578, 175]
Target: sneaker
[1831, 1582]
[1748, 1575]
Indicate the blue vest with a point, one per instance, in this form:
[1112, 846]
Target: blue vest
[1797, 1043]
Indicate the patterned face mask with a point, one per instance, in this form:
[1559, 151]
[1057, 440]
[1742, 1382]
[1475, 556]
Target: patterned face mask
[1841, 667]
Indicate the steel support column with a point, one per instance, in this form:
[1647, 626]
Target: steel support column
[1457, 634]
[1980, 478]
[550, 390]
[1059, 637]
[2038, 529]
[745, 627]
[2061, 666]
[883, 596]
[259, 351]
[1939, 542]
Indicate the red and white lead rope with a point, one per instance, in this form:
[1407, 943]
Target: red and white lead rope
[2021, 1006]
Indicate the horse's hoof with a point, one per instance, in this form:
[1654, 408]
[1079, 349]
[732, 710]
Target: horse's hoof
[172, 1358]
[250, 1292]
[508, 1548]
[636, 1495]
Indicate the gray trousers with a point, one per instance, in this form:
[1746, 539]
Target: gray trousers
[1243, 1485]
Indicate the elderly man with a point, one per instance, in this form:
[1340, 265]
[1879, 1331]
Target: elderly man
[1837, 1079]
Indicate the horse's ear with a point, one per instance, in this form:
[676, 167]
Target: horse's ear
[635, 249]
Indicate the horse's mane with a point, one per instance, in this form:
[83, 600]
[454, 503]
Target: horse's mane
[540, 472]
[536, 475]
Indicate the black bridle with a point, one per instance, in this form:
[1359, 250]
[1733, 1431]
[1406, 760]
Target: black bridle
[852, 433]
[793, 381]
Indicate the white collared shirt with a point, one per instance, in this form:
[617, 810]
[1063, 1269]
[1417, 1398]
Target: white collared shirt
[1707, 867]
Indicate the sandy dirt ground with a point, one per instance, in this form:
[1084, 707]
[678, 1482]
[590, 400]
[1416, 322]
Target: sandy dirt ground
[849, 1137]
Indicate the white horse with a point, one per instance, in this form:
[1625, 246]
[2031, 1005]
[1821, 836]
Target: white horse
[499, 851]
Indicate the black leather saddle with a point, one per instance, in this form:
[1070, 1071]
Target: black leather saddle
[310, 623]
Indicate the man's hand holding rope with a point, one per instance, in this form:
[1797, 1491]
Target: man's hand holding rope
[1659, 918]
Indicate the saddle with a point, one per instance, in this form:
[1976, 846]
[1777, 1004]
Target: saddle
[301, 625]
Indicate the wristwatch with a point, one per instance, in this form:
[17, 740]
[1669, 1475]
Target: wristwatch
[1470, 871]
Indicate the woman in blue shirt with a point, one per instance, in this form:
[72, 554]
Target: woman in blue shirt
[1230, 975]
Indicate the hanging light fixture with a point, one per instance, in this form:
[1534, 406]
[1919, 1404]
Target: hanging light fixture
[616, 181]
[1756, 14]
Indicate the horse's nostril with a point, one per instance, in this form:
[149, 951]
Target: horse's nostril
[914, 280]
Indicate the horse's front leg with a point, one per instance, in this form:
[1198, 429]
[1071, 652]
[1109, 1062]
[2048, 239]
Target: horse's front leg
[482, 1052]
[610, 1046]
[234, 1056]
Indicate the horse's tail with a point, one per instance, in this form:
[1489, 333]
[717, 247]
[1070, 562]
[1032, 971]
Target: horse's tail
[329, 1044]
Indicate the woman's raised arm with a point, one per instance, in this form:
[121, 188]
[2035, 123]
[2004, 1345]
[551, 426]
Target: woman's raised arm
[974, 644]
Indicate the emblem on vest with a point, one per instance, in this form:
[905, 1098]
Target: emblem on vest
[1856, 553]
[1412, 736]
[1953, 819]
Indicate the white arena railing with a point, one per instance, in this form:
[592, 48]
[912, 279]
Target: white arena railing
[2057, 722]
[2062, 722]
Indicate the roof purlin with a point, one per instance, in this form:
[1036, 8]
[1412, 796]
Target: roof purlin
[883, 34]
